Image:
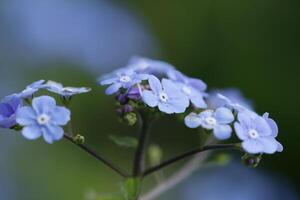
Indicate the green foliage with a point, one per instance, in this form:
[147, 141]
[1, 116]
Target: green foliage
[124, 141]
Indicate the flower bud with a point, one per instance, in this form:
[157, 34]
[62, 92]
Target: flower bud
[79, 139]
[251, 160]
[130, 118]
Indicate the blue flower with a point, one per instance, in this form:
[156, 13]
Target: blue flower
[257, 133]
[58, 88]
[122, 78]
[229, 96]
[8, 108]
[31, 89]
[217, 120]
[44, 118]
[150, 66]
[191, 87]
[166, 95]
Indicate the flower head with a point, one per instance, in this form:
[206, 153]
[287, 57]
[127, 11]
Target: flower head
[31, 89]
[166, 95]
[44, 118]
[58, 88]
[123, 78]
[217, 120]
[257, 133]
[149, 66]
[191, 87]
[8, 108]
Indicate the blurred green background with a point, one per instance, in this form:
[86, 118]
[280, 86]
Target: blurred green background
[252, 45]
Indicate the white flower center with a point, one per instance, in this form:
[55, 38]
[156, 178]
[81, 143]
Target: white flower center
[163, 97]
[43, 119]
[125, 79]
[210, 121]
[186, 90]
[253, 134]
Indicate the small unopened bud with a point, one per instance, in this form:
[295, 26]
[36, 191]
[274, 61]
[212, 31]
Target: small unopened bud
[79, 139]
[251, 160]
[155, 155]
[130, 118]
[17, 127]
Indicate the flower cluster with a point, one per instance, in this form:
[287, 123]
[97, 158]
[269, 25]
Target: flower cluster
[157, 84]
[38, 116]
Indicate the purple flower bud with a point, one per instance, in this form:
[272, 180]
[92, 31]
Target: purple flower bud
[133, 93]
[122, 98]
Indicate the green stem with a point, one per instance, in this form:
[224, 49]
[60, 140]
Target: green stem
[139, 158]
[188, 154]
[104, 160]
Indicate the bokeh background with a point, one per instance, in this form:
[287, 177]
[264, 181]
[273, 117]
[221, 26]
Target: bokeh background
[252, 45]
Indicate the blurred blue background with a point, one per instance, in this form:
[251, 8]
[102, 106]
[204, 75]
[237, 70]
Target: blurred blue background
[253, 45]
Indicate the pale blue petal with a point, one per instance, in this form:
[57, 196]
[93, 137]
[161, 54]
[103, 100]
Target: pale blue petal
[166, 108]
[26, 116]
[43, 104]
[253, 146]
[113, 88]
[224, 115]
[109, 81]
[262, 126]
[269, 144]
[245, 119]
[222, 132]
[56, 132]
[31, 132]
[197, 84]
[206, 113]
[149, 98]
[171, 88]
[240, 131]
[279, 147]
[179, 105]
[60, 116]
[192, 120]
[272, 124]
[155, 84]
[198, 101]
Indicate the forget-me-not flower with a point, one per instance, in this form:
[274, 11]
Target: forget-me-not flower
[149, 66]
[44, 118]
[217, 120]
[31, 89]
[257, 133]
[166, 95]
[8, 108]
[191, 87]
[58, 88]
[122, 78]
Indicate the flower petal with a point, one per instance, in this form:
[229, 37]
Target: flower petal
[240, 131]
[43, 104]
[155, 84]
[113, 88]
[31, 132]
[26, 116]
[108, 81]
[149, 98]
[198, 101]
[192, 120]
[222, 132]
[253, 146]
[269, 144]
[224, 115]
[60, 116]
[166, 108]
